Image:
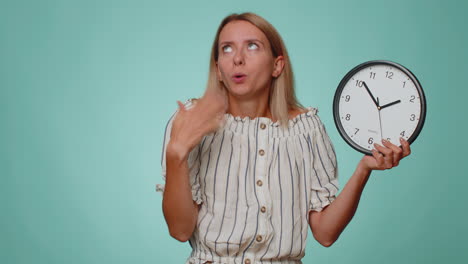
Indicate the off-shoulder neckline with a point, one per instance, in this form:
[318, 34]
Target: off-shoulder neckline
[309, 112]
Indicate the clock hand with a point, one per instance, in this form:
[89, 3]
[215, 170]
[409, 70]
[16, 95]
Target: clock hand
[373, 99]
[380, 120]
[389, 104]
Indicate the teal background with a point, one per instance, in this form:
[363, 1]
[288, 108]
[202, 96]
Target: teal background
[87, 87]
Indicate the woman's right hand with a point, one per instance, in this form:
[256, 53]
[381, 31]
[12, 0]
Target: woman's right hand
[190, 125]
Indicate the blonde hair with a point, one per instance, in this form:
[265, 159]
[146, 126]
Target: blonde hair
[282, 96]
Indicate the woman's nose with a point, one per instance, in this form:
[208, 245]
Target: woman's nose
[239, 58]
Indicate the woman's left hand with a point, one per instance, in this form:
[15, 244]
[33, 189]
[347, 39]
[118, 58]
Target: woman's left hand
[386, 156]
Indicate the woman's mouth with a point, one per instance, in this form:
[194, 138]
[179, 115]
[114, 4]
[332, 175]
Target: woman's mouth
[239, 77]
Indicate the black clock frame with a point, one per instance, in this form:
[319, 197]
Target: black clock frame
[339, 90]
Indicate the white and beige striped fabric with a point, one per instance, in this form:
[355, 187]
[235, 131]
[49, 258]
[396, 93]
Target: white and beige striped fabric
[256, 184]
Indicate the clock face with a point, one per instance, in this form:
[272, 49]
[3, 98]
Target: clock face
[379, 100]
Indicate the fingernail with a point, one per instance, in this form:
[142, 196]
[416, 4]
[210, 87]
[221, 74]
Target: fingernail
[401, 139]
[384, 141]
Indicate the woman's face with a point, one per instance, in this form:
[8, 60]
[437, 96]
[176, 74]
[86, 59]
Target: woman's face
[245, 62]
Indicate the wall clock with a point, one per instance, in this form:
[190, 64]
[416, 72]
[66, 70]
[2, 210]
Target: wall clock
[379, 100]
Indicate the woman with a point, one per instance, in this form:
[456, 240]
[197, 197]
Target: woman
[247, 168]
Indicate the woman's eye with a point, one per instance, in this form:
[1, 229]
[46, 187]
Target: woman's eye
[227, 49]
[252, 46]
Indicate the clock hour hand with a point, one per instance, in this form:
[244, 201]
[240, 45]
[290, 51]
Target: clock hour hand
[372, 96]
[389, 104]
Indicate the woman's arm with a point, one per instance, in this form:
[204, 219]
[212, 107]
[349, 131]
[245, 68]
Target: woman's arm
[188, 129]
[328, 224]
[180, 211]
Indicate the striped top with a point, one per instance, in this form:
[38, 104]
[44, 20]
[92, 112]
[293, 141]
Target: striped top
[256, 184]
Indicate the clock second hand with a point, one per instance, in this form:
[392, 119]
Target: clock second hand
[380, 121]
[382, 107]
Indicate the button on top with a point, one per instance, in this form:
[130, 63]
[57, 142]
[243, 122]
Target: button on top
[259, 238]
[247, 261]
[262, 152]
[263, 209]
[259, 183]
[262, 126]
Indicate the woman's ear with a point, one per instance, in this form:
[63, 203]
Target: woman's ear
[278, 66]
[218, 73]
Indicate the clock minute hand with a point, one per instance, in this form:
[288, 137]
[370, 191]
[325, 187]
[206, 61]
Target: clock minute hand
[372, 96]
[390, 104]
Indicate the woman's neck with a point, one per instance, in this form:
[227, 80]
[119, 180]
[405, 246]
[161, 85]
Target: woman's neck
[253, 107]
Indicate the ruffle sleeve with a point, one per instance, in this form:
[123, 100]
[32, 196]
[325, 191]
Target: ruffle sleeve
[325, 173]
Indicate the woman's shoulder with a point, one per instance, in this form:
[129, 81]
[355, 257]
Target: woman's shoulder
[294, 112]
[297, 111]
